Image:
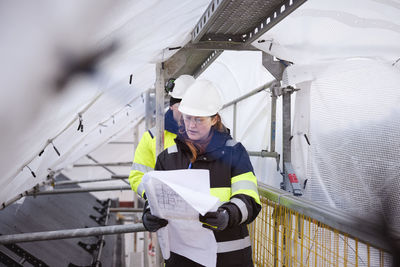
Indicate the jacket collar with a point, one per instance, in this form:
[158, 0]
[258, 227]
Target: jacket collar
[169, 123]
[214, 149]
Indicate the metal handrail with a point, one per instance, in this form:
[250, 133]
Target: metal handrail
[363, 230]
[79, 190]
[251, 93]
[72, 233]
[69, 182]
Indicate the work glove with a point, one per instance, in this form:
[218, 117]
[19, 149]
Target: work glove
[216, 220]
[152, 223]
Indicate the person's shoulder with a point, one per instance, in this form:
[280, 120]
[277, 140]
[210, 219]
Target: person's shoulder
[231, 143]
[151, 133]
[236, 146]
[168, 152]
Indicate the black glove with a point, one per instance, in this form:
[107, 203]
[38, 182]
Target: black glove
[216, 220]
[152, 223]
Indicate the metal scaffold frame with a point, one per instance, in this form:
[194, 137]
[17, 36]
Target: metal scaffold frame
[72, 233]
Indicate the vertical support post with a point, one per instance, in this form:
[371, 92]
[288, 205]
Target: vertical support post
[159, 130]
[135, 196]
[136, 136]
[234, 120]
[286, 133]
[135, 145]
[273, 122]
[145, 247]
[148, 111]
[290, 182]
[286, 127]
[159, 109]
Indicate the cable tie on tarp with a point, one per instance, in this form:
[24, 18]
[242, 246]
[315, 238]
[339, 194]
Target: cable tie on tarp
[58, 152]
[308, 141]
[127, 112]
[174, 48]
[80, 126]
[33, 174]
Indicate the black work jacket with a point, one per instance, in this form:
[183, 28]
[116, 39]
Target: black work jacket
[225, 159]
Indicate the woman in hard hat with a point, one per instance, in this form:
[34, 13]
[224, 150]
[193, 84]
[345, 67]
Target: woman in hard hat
[204, 143]
[145, 154]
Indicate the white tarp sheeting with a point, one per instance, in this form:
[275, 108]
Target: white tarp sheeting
[41, 41]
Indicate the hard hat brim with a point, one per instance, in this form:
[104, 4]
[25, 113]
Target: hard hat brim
[196, 112]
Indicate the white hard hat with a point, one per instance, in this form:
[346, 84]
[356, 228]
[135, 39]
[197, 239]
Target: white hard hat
[201, 99]
[181, 84]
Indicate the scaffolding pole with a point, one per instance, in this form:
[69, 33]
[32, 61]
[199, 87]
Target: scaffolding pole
[102, 242]
[159, 131]
[249, 94]
[126, 209]
[72, 233]
[79, 190]
[263, 154]
[23, 194]
[87, 181]
[106, 164]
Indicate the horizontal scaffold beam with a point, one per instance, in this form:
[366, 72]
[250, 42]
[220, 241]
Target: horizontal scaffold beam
[72, 233]
[88, 181]
[80, 190]
[108, 164]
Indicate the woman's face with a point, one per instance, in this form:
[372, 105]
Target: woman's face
[198, 128]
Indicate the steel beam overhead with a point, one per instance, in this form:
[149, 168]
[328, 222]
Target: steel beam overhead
[227, 25]
[209, 60]
[213, 45]
[72, 233]
[281, 10]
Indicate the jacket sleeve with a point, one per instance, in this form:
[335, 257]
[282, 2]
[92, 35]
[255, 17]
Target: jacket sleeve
[244, 186]
[143, 162]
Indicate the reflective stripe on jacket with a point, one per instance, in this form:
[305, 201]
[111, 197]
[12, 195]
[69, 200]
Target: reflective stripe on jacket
[231, 179]
[145, 154]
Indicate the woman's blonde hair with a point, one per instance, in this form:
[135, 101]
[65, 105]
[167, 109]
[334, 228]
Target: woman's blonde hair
[199, 147]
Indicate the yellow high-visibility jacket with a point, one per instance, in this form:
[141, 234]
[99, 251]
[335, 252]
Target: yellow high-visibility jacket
[145, 154]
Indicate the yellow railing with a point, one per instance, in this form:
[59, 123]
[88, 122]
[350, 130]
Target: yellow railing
[287, 233]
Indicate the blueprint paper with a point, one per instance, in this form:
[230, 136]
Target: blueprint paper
[179, 196]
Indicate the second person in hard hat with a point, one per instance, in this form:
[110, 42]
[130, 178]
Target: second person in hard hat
[145, 154]
[204, 143]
